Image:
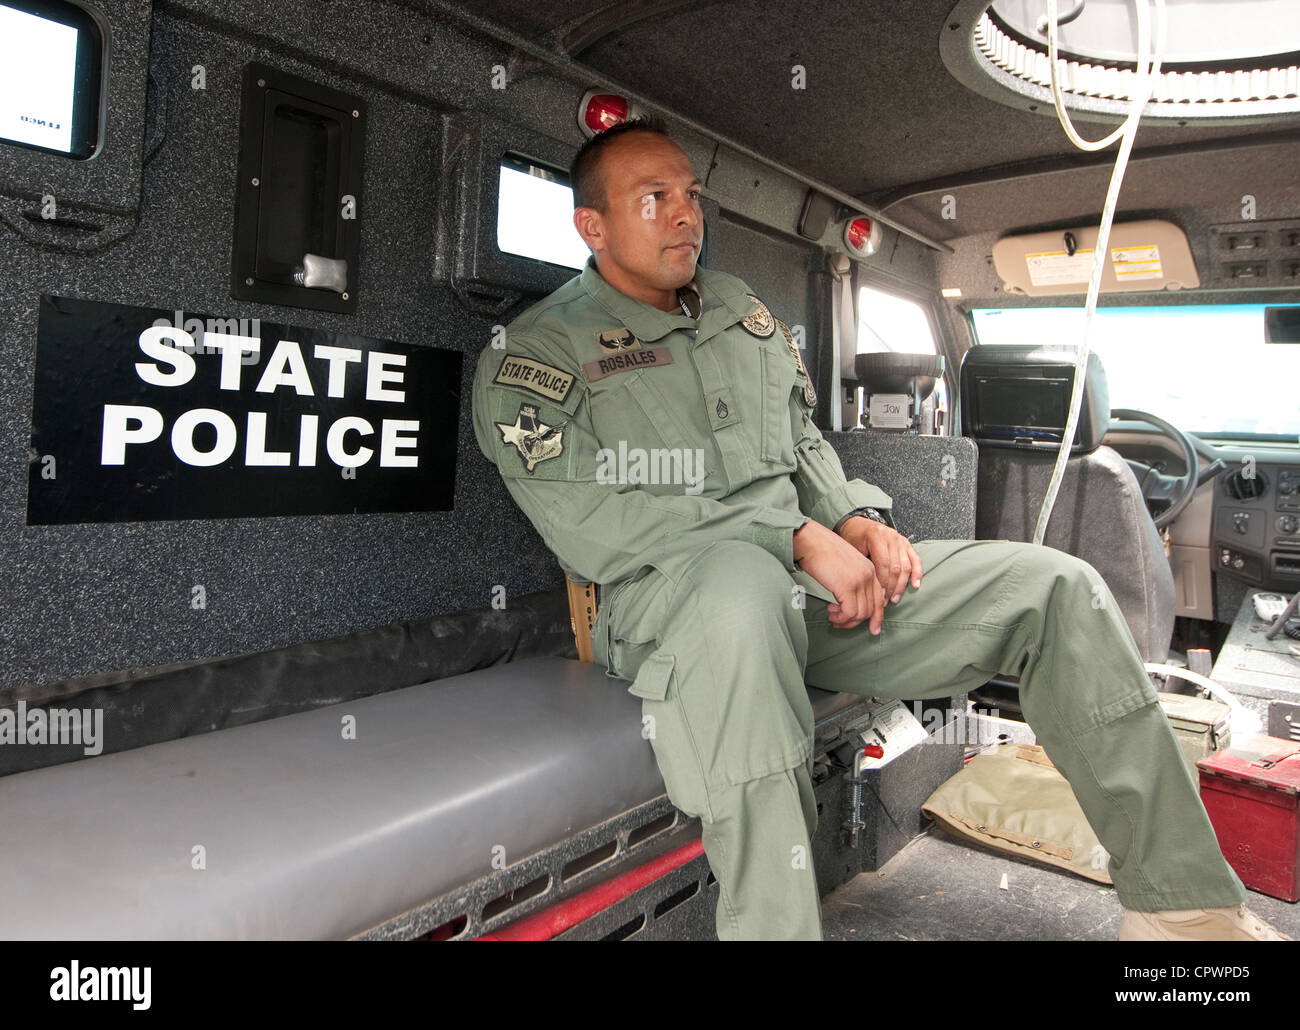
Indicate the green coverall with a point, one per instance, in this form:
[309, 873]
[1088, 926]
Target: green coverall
[670, 458]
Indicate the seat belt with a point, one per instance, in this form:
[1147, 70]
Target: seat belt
[844, 339]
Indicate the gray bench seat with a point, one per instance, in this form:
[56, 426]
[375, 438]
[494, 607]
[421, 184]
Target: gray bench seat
[308, 835]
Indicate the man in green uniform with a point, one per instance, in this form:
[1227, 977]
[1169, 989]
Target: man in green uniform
[653, 420]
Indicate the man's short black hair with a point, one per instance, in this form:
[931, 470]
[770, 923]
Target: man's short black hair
[584, 174]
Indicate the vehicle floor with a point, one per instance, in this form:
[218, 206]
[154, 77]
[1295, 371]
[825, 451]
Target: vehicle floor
[941, 889]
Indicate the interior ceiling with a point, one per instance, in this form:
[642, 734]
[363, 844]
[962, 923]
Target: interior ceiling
[1213, 181]
[880, 111]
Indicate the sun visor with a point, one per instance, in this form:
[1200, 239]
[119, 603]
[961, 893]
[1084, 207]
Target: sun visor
[1143, 256]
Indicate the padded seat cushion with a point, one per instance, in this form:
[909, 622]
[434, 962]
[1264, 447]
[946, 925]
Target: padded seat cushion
[305, 834]
[309, 835]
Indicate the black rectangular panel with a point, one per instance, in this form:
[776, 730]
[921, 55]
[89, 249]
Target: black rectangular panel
[298, 204]
[143, 414]
[299, 190]
[816, 215]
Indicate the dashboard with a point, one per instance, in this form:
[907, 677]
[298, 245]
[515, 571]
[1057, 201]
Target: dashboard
[1248, 516]
[1257, 523]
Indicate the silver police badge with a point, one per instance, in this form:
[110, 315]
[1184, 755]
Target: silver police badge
[760, 323]
[809, 394]
[534, 440]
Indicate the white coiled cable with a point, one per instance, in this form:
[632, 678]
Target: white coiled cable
[1148, 66]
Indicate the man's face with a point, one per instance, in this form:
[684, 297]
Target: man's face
[648, 237]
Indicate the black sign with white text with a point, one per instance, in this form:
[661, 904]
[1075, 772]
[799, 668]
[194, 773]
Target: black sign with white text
[143, 414]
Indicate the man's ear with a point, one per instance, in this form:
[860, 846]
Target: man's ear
[590, 225]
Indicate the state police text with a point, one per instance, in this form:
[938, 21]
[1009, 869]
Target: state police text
[133, 425]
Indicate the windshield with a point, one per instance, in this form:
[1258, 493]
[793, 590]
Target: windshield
[1204, 367]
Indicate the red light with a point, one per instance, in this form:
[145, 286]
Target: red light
[604, 111]
[858, 233]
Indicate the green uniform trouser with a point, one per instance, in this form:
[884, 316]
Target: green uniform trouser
[720, 642]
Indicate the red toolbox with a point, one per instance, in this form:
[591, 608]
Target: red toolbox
[1252, 794]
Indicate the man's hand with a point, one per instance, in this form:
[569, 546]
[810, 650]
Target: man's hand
[845, 572]
[890, 552]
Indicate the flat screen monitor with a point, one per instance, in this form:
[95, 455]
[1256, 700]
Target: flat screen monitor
[1009, 408]
[1282, 325]
[51, 61]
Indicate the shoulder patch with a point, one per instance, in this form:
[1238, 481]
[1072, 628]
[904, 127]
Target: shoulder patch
[532, 439]
[760, 323]
[535, 376]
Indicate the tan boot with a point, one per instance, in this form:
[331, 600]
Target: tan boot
[1231, 923]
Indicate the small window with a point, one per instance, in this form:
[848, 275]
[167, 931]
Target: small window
[890, 323]
[535, 214]
[886, 322]
[51, 59]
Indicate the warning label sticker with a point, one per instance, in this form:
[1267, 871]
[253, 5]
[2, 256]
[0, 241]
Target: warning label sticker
[1052, 268]
[1133, 263]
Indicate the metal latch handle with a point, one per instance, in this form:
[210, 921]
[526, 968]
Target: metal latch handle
[322, 273]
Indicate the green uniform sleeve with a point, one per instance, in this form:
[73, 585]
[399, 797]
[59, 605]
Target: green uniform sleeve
[824, 493]
[599, 530]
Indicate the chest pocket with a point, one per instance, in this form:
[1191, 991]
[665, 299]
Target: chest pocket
[636, 412]
[776, 440]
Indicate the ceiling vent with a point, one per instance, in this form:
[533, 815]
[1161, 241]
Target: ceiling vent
[1223, 63]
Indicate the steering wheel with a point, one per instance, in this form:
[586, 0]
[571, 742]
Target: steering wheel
[1174, 493]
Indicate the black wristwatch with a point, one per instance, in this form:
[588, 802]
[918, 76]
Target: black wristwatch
[869, 513]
